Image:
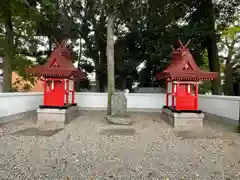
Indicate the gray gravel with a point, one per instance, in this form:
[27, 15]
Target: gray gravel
[89, 148]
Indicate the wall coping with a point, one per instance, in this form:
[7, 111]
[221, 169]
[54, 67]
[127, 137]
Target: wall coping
[234, 98]
[237, 98]
[21, 94]
[127, 94]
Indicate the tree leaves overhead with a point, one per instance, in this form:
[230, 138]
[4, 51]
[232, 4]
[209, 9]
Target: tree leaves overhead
[144, 31]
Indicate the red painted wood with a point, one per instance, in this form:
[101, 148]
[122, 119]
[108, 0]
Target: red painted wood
[58, 68]
[196, 94]
[55, 96]
[177, 92]
[185, 72]
[73, 94]
[184, 67]
[167, 94]
[45, 90]
[67, 91]
[173, 95]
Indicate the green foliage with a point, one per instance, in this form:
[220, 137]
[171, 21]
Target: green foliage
[204, 86]
[84, 85]
[144, 31]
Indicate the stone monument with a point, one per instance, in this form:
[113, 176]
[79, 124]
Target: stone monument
[119, 110]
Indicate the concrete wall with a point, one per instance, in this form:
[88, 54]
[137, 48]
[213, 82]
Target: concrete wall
[14, 103]
[135, 101]
[225, 106]
[150, 90]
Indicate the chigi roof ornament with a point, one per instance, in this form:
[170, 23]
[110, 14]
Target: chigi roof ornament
[58, 74]
[59, 64]
[184, 67]
[182, 77]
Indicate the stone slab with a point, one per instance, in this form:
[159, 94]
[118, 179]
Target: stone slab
[56, 118]
[183, 120]
[122, 131]
[124, 120]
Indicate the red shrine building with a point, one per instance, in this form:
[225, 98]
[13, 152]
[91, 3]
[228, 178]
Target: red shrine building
[58, 75]
[182, 77]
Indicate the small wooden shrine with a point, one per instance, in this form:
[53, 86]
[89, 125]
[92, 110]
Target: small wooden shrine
[182, 77]
[58, 75]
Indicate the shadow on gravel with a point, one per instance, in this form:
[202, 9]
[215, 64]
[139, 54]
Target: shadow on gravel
[32, 131]
[118, 132]
[200, 134]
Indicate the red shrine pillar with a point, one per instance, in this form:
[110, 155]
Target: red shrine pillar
[176, 93]
[67, 90]
[167, 93]
[172, 94]
[196, 96]
[73, 92]
[45, 91]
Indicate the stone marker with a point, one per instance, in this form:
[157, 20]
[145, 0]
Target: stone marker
[119, 104]
[119, 110]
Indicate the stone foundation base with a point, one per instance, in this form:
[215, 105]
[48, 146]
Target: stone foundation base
[183, 119]
[121, 120]
[56, 118]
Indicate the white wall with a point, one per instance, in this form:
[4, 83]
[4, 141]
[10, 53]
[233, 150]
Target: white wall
[150, 90]
[134, 101]
[225, 106]
[14, 103]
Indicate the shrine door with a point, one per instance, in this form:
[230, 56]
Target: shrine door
[55, 94]
[185, 99]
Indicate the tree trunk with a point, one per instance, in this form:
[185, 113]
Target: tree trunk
[77, 87]
[214, 64]
[110, 61]
[49, 45]
[228, 85]
[100, 81]
[102, 50]
[97, 80]
[100, 42]
[9, 51]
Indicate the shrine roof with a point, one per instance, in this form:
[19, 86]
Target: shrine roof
[59, 64]
[184, 67]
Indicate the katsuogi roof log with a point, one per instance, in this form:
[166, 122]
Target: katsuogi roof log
[184, 67]
[59, 64]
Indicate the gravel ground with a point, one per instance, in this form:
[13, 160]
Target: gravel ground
[90, 148]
